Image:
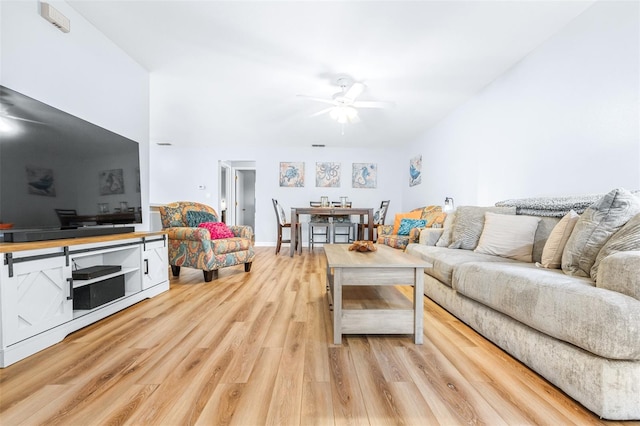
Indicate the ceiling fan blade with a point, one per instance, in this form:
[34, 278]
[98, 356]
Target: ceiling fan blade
[354, 91]
[373, 104]
[313, 98]
[21, 119]
[324, 111]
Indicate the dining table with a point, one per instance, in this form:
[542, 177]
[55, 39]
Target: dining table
[329, 212]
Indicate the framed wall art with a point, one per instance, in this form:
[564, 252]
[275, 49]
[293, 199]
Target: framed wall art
[415, 170]
[40, 181]
[292, 174]
[111, 182]
[364, 175]
[328, 175]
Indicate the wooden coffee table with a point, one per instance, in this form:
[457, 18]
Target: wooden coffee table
[384, 267]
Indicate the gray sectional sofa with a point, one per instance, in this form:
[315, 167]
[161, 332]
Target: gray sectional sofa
[581, 334]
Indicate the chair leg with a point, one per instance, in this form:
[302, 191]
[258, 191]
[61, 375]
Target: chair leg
[210, 275]
[175, 270]
[247, 266]
[279, 243]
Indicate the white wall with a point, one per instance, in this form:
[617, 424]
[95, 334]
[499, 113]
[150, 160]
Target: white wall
[563, 121]
[81, 72]
[177, 172]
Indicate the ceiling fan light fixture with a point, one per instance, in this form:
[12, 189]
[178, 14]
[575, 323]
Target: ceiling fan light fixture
[5, 126]
[343, 114]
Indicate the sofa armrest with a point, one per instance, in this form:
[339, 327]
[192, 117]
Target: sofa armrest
[430, 236]
[241, 231]
[189, 234]
[385, 230]
[620, 272]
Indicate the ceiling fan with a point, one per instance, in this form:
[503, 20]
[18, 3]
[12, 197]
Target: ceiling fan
[6, 120]
[6, 117]
[344, 107]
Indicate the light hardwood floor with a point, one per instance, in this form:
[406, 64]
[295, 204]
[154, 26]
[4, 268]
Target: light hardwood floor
[252, 349]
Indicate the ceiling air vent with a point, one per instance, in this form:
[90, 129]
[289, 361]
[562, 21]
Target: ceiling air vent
[318, 145]
[54, 16]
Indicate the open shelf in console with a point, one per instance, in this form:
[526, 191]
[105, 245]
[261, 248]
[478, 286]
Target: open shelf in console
[80, 283]
[127, 256]
[77, 313]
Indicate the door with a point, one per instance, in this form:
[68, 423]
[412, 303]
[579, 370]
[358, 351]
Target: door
[224, 191]
[246, 197]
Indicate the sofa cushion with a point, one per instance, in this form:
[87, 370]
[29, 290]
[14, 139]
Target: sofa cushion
[445, 260]
[399, 241]
[595, 226]
[415, 214]
[433, 218]
[430, 236]
[508, 236]
[195, 218]
[445, 238]
[429, 211]
[552, 252]
[626, 239]
[406, 225]
[175, 214]
[568, 308]
[468, 224]
[217, 230]
[229, 246]
[545, 227]
[619, 272]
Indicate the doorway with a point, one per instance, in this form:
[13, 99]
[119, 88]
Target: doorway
[237, 192]
[246, 198]
[224, 190]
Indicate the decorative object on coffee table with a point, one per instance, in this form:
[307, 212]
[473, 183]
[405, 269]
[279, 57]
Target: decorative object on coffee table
[362, 246]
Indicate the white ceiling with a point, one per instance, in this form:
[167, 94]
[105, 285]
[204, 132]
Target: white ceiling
[229, 72]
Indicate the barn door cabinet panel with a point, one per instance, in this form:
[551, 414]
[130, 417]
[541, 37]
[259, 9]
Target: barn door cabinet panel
[35, 298]
[154, 262]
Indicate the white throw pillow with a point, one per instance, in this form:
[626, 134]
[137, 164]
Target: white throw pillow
[553, 248]
[508, 236]
[467, 226]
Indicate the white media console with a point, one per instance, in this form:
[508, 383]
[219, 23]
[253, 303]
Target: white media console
[37, 288]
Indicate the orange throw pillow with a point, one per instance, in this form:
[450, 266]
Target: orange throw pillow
[399, 216]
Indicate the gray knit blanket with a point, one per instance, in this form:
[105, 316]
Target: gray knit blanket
[553, 206]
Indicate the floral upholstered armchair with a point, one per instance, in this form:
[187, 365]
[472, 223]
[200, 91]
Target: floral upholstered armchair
[407, 226]
[195, 247]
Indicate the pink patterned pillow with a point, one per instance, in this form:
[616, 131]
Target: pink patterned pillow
[218, 230]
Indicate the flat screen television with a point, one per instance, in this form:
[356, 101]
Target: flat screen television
[61, 176]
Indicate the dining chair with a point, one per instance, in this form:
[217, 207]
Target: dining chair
[67, 218]
[379, 217]
[343, 222]
[318, 223]
[283, 224]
